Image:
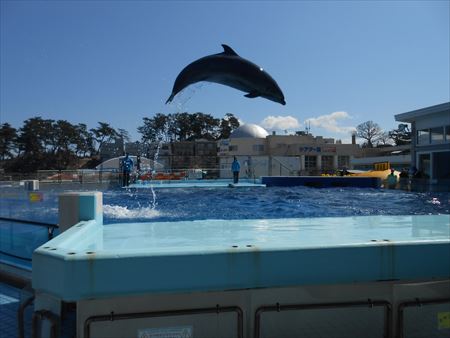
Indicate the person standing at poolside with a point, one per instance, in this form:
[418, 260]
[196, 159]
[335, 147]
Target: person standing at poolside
[127, 166]
[403, 179]
[138, 163]
[392, 179]
[235, 168]
[138, 167]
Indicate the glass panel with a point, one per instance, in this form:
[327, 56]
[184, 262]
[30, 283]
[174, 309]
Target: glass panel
[423, 136]
[19, 240]
[447, 133]
[258, 147]
[327, 162]
[425, 164]
[441, 165]
[437, 135]
[343, 161]
[310, 162]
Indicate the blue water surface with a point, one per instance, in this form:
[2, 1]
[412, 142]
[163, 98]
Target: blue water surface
[273, 202]
[177, 204]
[174, 204]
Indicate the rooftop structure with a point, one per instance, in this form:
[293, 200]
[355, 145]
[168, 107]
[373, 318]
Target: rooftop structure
[249, 130]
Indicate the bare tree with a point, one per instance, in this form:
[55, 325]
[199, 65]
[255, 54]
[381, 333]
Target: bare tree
[369, 131]
[385, 140]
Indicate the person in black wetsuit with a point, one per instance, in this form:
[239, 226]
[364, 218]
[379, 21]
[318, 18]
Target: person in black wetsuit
[127, 166]
[235, 168]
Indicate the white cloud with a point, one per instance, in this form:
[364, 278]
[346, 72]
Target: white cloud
[280, 123]
[331, 122]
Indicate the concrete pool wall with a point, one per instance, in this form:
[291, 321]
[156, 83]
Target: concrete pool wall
[245, 278]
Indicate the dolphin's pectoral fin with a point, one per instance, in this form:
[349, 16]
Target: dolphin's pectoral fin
[252, 95]
[228, 50]
[170, 98]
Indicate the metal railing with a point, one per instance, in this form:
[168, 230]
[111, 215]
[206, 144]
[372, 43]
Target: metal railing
[50, 226]
[38, 317]
[282, 166]
[21, 316]
[169, 313]
[50, 229]
[415, 303]
[115, 176]
[77, 176]
[296, 307]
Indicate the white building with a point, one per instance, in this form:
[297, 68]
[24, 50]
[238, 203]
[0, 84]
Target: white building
[262, 154]
[430, 143]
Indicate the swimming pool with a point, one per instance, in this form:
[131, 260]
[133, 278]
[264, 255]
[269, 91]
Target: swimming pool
[209, 266]
[262, 242]
[274, 202]
[178, 204]
[188, 204]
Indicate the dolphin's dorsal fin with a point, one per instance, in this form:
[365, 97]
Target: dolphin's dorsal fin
[228, 50]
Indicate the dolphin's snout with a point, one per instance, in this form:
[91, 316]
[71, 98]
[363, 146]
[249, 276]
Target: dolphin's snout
[281, 100]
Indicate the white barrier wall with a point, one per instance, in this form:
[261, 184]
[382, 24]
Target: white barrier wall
[75, 207]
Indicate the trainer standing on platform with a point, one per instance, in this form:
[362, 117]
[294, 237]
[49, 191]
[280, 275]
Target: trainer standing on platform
[127, 166]
[235, 168]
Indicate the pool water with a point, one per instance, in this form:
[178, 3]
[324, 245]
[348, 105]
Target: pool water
[137, 205]
[274, 202]
[185, 204]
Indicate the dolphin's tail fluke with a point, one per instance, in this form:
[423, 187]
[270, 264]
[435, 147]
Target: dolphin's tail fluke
[170, 98]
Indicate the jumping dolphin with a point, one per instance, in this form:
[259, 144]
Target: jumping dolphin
[229, 69]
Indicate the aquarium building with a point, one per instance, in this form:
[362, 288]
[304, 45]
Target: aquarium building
[430, 141]
[264, 154]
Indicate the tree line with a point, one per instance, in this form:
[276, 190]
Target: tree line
[187, 127]
[374, 136]
[49, 144]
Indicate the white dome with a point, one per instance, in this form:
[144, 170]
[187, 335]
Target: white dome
[114, 163]
[249, 130]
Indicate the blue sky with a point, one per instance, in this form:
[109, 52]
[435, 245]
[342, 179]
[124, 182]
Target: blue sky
[339, 63]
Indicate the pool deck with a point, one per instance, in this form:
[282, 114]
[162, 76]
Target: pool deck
[92, 260]
[322, 181]
[170, 184]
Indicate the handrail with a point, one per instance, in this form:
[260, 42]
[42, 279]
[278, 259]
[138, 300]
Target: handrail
[50, 226]
[282, 165]
[38, 317]
[21, 315]
[44, 224]
[167, 313]
[417, 302]
[290, 307]
[13, 278]
[15, 256]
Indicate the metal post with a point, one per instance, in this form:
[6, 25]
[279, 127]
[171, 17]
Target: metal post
[20, 316]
